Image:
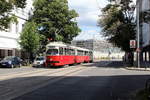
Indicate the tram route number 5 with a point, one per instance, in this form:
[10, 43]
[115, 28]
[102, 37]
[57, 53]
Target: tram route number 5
[132, 43]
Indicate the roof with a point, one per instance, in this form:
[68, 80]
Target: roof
[61, 44]
[58, 44]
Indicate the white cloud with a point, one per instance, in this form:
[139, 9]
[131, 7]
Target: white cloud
[88, 20]
[88, 11]
[89, 34]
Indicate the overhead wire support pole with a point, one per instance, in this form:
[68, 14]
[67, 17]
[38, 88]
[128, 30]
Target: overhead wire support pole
[138, 33]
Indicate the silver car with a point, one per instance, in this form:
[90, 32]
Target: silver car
[39, 62]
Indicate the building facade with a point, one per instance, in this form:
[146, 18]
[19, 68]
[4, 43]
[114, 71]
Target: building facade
[101, 48]
[9, 39]
[144, 6]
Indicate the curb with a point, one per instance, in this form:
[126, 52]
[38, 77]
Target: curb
[137, 69]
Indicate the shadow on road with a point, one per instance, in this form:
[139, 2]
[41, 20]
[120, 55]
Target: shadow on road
[110, 64]
[74, 87]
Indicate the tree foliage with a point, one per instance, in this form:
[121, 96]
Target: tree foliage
[145, 16]
[6, 6]
[30, 38]
[55, 20]
[118, 23]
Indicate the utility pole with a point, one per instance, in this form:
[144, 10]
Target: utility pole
[138, 33]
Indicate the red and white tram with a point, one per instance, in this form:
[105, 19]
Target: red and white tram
[60, 54]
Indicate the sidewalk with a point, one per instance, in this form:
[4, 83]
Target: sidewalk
[145, 66]
[137, 69]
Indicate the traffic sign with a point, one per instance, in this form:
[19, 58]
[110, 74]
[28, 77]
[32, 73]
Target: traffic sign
[132, 43]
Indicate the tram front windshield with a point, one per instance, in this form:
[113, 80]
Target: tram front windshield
[52, 52]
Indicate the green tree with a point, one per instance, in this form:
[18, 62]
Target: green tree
[118, 23]
[145, 16]
[6, 6]
[30, 39]
[55, 20]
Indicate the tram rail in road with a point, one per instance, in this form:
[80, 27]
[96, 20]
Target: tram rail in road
[30, 73]
[20, 84]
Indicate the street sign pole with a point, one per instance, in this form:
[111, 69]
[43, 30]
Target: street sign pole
[138, 33]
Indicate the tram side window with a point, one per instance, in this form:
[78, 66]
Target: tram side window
[90, 54]
[61, 51]
[81, 53]
[78, 52]
[69, 52]
[72, 52]
[86, 53]
[52, 52]
[66, 51]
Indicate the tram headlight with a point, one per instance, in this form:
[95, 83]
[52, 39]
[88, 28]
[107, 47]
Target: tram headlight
[50, 59]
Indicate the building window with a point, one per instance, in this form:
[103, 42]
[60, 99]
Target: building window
[17, 27]
[2, 53]
[23, 12]
[9, 52]
[9, 28]
[22, 25]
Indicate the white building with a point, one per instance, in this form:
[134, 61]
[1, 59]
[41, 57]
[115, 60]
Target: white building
[9, 39]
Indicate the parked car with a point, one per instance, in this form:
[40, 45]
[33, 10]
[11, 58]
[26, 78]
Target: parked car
[11, 61]
[39, 61]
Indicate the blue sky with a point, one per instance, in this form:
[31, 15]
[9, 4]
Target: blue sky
[88, 11]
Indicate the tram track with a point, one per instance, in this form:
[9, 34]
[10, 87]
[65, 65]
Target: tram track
[21, 74]
[35, 82]
[14, 75]
[36, 72]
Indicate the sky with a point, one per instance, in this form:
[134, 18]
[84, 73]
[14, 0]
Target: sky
[88, 11]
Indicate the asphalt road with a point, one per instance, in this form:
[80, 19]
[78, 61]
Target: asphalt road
[105, 80]
[5, 71]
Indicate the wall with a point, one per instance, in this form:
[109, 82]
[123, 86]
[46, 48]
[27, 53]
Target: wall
[9, 39]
